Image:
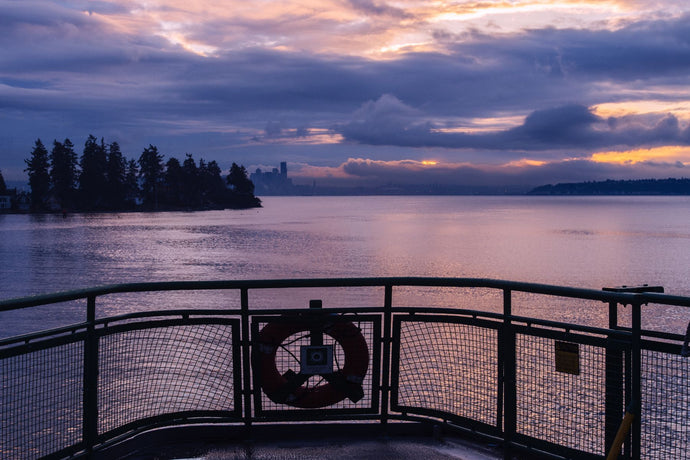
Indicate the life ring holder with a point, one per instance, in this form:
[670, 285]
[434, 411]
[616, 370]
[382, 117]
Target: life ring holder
[289, 388]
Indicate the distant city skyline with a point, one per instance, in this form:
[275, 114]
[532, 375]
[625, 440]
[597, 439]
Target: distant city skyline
[450, 93]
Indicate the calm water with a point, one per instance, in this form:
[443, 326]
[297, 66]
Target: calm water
[578, 241]
[575, 241]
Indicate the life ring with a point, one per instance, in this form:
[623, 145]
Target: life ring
[289, 388]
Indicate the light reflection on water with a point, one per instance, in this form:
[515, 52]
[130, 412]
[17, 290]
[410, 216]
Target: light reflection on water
[584, 242]
[577, 241]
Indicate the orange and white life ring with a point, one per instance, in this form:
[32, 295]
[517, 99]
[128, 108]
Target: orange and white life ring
[289, 389]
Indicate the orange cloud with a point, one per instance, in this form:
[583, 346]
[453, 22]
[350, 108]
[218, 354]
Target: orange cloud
[679, 108]
[666, 154]
[525, 162]
[379, 30]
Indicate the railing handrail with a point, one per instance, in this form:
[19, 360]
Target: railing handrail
[624, 298]
[621, 347]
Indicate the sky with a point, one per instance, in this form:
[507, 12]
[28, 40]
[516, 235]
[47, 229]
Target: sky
[505, 93]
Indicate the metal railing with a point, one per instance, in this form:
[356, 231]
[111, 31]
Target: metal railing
[533, 384]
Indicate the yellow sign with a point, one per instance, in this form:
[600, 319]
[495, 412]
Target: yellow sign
[568, 358]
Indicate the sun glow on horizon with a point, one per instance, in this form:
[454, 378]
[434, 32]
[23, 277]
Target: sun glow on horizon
[666, 154]
[525, 162]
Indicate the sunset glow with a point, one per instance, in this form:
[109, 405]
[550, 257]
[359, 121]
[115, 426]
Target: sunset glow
[678, 107]
[670, 154]
[542, 90]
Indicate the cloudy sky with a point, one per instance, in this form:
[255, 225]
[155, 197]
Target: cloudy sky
[485, 92]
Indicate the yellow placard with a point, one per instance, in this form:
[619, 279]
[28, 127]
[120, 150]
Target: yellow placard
[568, 358]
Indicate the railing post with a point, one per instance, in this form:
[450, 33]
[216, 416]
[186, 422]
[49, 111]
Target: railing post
[246, 358]
[636, 384]
[614, 403]
[507, 349]
[90, 390]
[387, 344]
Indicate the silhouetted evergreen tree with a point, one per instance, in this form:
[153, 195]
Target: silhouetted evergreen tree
[106, 180]
[93, 179]
[241, 189]
[3, 186]
[238, 180]
[116, 177]
[39, 178]
[151, 173]
[173, 184]
[213, 187]
[191, 186]
[63, 173]
[132, 190]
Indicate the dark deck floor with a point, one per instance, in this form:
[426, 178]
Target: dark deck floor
[381, 449]
[303, 443]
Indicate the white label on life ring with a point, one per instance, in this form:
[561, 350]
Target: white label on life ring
[316, 359]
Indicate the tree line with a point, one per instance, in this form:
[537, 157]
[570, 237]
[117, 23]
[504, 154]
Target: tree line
[668, 186]
[103, 179]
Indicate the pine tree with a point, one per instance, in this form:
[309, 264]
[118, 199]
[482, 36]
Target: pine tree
[241, 189]
[3, 186]
[116, 177]
[151, 173]
[191, 186]
[132, 190]
[63, 173]
[92, 180]
[39, 178]
[238, 180]
[174, 183]
[213, 186]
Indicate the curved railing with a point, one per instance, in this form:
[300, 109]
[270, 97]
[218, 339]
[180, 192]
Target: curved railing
[557, 387]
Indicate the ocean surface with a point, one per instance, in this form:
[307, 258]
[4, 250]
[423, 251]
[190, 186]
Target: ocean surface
[588, 242]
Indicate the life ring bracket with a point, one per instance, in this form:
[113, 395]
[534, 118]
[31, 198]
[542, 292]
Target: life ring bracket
[291, 387]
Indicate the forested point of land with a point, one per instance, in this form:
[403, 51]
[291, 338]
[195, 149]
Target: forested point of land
[618, 187]
[103, 179]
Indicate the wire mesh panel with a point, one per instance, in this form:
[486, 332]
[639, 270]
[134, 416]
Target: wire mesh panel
[348, 383]
[166, 369]
[41, 401]
[665, 414]
[561, 391]
[447, 367]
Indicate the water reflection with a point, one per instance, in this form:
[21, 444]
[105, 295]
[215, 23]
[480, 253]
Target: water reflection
[578, 241]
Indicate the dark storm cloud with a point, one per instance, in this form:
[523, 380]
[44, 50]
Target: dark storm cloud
[484, 75]
[569, 126]
[645, 49]
[40, 37]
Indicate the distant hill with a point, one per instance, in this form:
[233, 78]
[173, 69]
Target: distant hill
[618, 187]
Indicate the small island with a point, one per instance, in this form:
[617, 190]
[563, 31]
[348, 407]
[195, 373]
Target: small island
[103, 180]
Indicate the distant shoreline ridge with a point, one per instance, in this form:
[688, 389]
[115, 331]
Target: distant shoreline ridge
[617, 187]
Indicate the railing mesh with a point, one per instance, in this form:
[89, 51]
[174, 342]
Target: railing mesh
[148, 370]
[41, 401]
[163, 370]
[665, 414]
[560, 407]
[449, 367]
